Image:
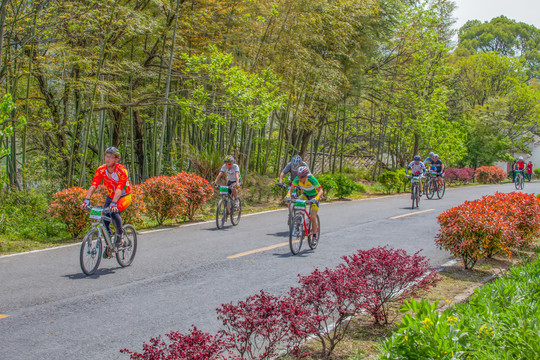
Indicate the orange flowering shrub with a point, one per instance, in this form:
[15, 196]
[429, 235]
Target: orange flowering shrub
[497, 223]
[164, 197]
[66, 206]
[490, 174]
[198, 191]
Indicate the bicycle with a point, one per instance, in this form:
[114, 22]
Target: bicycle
[226, 206]
[520, 181]
[432, 186]
[92, 244]
[415, 190]
[301, 226]
[291, 208]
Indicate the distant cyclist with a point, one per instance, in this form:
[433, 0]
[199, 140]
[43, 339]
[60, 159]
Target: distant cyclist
[233, 175]
[520, 166]
[292, 169]
[311, 190]
[417, 168]
[115, 178]
[430, 159]
[529, 170]
[439, 168]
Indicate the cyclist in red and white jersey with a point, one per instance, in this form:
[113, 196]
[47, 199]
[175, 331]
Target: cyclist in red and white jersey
[417, 168]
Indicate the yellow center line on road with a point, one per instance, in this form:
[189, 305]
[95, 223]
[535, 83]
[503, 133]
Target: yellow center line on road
[3, 316]
[411, 214]
[257, 250]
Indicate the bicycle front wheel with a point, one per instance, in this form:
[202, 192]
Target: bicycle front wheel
[236, 212]
[414, 194]
[296, 233]
[91, 249]
[441, 190]
[431, 188]
[517, 182]
[126, 254]
[221, 214]
[314, 242]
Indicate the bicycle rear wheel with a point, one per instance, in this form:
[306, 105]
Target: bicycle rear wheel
[91, 249]
[522, 184]
[441, 190]
[431, 188]
[311, 242]
[296, 233]
[221, 213]
[236, 213]
[126, 254]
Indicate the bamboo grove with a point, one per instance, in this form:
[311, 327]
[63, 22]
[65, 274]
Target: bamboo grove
[177, 84]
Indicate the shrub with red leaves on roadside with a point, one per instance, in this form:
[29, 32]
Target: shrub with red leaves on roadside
[497, 223]
[458, 176]
[258, 325]
[66, 206]
[195, 345]
[391, 275]
[164, 197]
[198, 191]
[329, 298]
[490, 174]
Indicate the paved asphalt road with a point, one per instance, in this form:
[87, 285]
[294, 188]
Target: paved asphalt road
[180, 276]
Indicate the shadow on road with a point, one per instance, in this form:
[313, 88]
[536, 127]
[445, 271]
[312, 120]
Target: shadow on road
[97, 274]
[288, 254]
[280, 234]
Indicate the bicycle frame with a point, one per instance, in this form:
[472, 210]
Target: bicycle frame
[303, 211]
[99, 225]
[226, 195]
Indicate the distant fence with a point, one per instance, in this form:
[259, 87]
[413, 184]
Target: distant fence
[324, 162]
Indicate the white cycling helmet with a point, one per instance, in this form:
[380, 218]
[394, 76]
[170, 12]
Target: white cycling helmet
[520, 158]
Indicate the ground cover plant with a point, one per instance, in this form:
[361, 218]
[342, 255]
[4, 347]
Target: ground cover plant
[500, 321]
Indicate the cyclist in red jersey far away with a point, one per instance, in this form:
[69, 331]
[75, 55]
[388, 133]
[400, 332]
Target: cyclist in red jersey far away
[115, 178]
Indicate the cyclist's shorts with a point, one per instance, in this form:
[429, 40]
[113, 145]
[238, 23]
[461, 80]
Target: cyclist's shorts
[124, 202]
[313, 206]
[230, 182]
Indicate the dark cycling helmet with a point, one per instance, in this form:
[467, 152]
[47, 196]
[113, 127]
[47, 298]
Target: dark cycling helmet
[228, 159]
[296, 160]
[417, 158]
[113, 150]
[303, 171]
[436, 156]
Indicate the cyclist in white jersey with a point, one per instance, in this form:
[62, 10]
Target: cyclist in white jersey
[417, 168]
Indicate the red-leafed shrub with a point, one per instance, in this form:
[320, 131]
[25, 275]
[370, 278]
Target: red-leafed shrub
[490, 174]
[198, 191]
[195, 345]
[258, 325]
[164, 198]
[497, 223]
[461, 176]
[66, 206]
[391, 275]
[329, 298]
